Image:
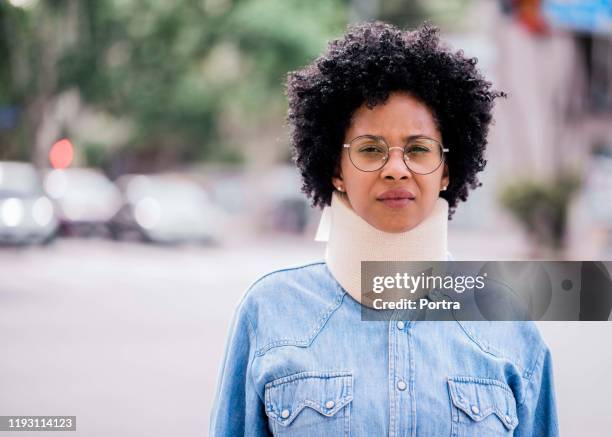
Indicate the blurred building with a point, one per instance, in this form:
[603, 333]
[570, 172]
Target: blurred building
[554, 60]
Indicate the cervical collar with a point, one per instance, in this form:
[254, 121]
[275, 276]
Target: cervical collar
[350, 240]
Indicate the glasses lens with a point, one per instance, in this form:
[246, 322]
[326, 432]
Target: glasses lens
[423, 155]
[367, 153]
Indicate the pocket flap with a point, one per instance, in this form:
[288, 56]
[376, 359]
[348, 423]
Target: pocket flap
[481, 397]
[325, 392]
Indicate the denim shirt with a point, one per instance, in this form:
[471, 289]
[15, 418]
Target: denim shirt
[300, 362]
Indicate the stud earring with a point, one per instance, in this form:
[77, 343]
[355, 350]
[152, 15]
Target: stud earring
[339, 188]
[443, 188]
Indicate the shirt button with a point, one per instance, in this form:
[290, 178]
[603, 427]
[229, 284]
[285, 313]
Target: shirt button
[401, 385]
[400, 325]
[475, 409]
[285, 414]
[329, 404]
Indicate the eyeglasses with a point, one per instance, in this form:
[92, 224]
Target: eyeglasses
[422, 155]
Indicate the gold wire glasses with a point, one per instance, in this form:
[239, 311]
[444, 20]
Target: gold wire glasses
[422, 155]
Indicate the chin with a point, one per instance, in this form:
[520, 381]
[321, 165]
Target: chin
[397, 227]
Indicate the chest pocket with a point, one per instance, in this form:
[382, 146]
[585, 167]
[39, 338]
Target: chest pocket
[310, 404]
[481, 406]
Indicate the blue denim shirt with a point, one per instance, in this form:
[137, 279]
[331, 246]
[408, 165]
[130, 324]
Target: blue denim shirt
[300, 362]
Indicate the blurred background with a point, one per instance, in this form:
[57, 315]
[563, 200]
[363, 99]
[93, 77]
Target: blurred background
[146, 180]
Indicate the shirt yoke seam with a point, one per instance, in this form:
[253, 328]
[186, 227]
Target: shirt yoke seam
[526, 373]
[250, 287]
[314, 332]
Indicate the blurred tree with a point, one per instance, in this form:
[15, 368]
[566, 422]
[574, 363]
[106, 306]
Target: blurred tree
[175, 69]
[411, 13]
[18, 88]
[542, 209]
[196, 79]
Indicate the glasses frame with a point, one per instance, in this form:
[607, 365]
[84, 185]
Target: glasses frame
[386, 159]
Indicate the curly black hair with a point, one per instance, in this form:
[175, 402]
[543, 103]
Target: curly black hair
[369, 62]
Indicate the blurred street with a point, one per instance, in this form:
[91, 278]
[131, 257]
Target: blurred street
[128, 337]
[125, 336]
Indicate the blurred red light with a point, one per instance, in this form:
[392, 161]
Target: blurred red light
[61, 154]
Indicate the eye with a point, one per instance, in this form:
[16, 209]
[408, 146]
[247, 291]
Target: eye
[417, 149]
[371, 148]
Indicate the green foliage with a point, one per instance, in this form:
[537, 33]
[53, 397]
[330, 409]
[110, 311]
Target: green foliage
[172, 68]
[411, 13]
[542, 208]
[96, 155]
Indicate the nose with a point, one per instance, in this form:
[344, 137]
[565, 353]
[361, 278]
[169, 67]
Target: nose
[395, 167]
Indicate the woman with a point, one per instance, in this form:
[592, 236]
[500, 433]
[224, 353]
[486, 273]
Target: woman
[389, 130]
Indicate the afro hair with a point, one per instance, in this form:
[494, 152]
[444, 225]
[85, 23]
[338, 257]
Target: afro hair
[368, 63]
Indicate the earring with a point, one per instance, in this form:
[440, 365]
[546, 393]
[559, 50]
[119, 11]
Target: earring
[339, 188]
[443, 188]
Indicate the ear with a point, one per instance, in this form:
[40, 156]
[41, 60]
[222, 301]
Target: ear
[445, 177]
[338, 182]
[337, 179]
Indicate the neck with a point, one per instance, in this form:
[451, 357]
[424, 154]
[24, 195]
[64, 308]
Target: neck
[350, 240]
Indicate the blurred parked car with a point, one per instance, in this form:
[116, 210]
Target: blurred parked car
[232, 192]
[166, 208]
[285, 207]
[26, 213]
[86, 199]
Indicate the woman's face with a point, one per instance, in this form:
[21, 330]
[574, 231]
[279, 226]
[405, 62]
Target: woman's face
[401, 116]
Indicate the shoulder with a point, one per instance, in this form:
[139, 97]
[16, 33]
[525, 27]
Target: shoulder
[289, 306]
[519, 342]
[304, 283]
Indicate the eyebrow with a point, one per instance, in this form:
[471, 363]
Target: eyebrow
[403, 139]
[412, 137]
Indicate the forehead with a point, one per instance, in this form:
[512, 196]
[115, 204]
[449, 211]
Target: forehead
[400, 116]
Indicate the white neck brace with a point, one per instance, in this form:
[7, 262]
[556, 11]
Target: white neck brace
[350, 240]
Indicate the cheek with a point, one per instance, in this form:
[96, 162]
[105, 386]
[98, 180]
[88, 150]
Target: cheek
[353, 178]
[429, 186]
[359, 190]
[433, 182]
[359, 186]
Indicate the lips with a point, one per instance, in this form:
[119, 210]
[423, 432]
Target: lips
[395, 194]
[396, 198]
